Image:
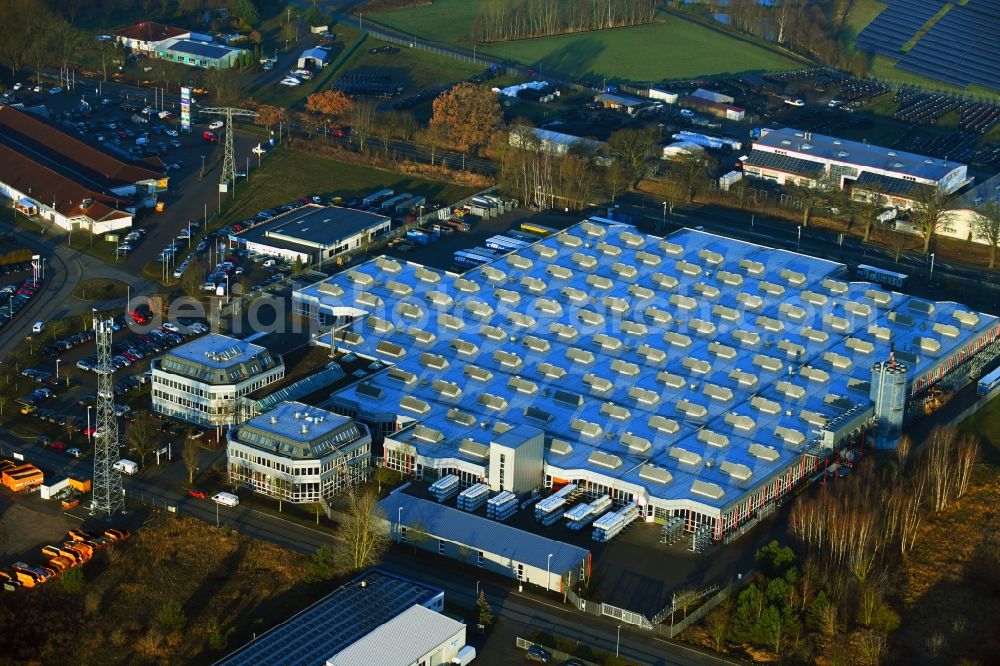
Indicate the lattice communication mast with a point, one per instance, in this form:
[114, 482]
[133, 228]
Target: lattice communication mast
[228, 175]
[108, 495]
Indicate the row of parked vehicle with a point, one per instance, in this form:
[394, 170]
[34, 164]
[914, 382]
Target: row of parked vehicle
[65, 344]
[271, 213]
[18, 296]
[141, 345]
[131, 239]
[182, 241]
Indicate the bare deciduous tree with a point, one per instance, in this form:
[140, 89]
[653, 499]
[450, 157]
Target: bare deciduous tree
[361, 533]
[189, 454]
[140, 435]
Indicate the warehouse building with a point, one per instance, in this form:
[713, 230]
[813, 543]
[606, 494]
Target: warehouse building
[314, 234]
[485, 544]
[55, 176]
[377, 618]
[790, 156]
[298, 453]
[555, 143]
[693, 375]
[202, 381]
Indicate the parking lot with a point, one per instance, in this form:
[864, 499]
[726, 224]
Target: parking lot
[127, 123]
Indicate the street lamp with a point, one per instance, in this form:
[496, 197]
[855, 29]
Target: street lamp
[932, 268]
[399, 525]
[664, 212]
[548, 575]
[618, 642]
[477, 588]
[90, 433]
[58, 360]
[798, 241]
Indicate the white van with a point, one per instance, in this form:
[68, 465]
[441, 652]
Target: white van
[226, 499]
[126, 467]
[38, 327]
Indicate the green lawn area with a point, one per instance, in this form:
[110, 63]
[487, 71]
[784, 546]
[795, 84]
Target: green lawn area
[287, 175]
[674, 48]
[863, 12]
[413, 69]
[444, 21]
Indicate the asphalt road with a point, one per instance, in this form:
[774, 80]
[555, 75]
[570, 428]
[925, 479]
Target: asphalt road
[525, 610]
[64, 269]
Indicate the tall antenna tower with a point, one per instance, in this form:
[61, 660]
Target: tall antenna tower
[228, 175]
[108, 495]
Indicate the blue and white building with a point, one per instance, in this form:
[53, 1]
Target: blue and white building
[298, 453]
[694, 375]
[202, 381]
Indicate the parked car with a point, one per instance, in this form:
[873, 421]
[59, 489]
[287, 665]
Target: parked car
[539, 654]
[197, 493]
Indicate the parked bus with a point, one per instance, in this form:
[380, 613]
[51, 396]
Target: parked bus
[882, 276]
[989, 382]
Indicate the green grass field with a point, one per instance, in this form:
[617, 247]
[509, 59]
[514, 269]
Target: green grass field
[675, 48]
[413, 69]
[863, 12]
[287, 175]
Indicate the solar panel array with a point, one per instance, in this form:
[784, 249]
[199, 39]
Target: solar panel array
[894, 27]
[333, 623]
[962, 48]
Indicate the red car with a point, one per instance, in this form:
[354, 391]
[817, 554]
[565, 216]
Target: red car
[138, 317]
[197, 493]
[89, 431]
[210, 136]
[337, 133]
[58, 446]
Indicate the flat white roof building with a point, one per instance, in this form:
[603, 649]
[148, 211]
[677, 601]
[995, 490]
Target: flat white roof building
[793, 156]
[431, 639]
[203, 380]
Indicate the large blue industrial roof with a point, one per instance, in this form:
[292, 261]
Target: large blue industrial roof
[480, 533]
[695, 366]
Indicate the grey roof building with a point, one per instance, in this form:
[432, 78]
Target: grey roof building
[202, 381]
[488, 544]
[314, 234]
[299, 453]
[200, 53]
